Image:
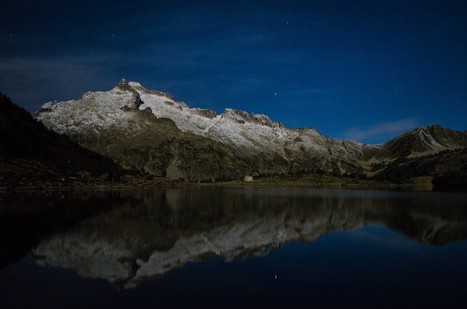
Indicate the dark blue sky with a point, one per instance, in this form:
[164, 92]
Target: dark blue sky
[365, 70]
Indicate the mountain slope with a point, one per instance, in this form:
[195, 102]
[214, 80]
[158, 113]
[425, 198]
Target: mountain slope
[30, 154]
[426, 141]
[152, 132]
[115, 124]
[254, 144]
[431, 151]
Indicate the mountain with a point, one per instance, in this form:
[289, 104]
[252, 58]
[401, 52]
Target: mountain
[153, 133]
[426, 141]
[32, 155]
[129, 122]
[118, 124]
[430, 151]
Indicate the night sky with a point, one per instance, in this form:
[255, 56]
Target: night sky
[362, 70]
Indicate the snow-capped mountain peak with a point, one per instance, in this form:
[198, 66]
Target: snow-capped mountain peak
[234, 128]
[110, 121]
[250, 136]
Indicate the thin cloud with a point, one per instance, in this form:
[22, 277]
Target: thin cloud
[381, 131]
[31, 82]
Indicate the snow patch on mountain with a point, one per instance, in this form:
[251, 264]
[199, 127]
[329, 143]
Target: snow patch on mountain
[234, 128]
[95, 111]
[237, 129]
[121, 123]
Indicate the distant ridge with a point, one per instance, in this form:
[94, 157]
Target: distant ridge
[151, 132]
[426, 141]
[107, 122]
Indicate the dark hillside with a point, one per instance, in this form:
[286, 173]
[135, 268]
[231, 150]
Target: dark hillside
[30, 153]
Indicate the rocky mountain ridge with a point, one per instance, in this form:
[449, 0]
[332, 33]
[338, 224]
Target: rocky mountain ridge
[155, 134]
[426, 141]
[32, 155]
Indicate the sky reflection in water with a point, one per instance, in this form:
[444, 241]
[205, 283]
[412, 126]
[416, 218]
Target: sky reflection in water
[284, 247]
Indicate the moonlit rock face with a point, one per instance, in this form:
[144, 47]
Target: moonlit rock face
[237, 129]
[233, 128]
[95, 110]
[135, 84]
[260, 146]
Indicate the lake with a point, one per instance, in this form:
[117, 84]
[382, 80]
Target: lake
[235, 247]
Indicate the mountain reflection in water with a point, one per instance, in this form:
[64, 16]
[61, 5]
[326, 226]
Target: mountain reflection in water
[146, 234]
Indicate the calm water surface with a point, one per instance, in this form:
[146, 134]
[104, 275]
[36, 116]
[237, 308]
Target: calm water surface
[231, 247]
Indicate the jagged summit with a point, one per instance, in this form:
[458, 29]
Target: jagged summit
[235, 115]
[124, 83]
[237, 129]
[426, 140]
[267, 145]
[124, 121]
[242, 117]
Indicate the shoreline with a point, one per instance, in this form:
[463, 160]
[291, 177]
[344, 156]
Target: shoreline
[77, 187]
